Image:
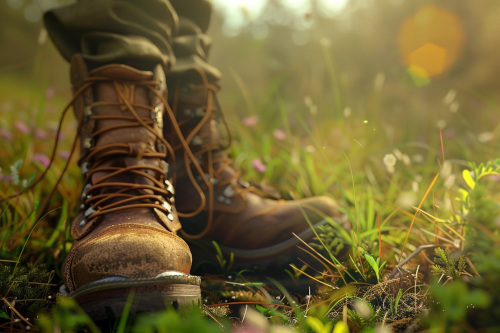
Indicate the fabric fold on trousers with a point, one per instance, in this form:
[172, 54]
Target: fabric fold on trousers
[137, 33]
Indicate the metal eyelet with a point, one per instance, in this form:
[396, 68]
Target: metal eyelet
[88, 143]
[89, 212]
[197, 140]
[161, 148]
[169, 187]
[85, 190]
[85, 168]
[165, 167]
[229, 191]
[199, 112]
[167, 206]
[87, 111]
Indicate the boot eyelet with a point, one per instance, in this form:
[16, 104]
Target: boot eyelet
[199, 112]
[83, 223]
[167, 206]
[161, 148]
[197, 140]
[87, 111]
[169, 187]
[165, 167]
[170, 217]
[85, 168]
[88, 143]
[229, 191]
[85, 190]
[89, 212]
[187, 112]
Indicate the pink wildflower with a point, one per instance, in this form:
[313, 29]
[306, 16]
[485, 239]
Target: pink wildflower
[43, 159]
[41, 134]
[258, 165]
[64, 154]
[6, 134]
[51, 91]
[279, 134]
[22, 127]
[250, 121]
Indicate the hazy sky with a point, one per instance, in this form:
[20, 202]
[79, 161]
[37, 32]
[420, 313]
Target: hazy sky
[238, 12]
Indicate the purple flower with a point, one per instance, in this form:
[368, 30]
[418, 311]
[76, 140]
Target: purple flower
[250, 121]
[41, 134]
[6, 134]
[22, 127]
[279, 134]
[43, 159]
[5, 178]
[64, 154]
[258, 165]
[51, 91]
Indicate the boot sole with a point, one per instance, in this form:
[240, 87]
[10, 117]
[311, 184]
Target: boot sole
[107, 300]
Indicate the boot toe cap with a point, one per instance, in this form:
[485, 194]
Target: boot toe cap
[130, 251]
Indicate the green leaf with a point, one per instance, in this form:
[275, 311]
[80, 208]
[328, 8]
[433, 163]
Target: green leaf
[316, 325]
[468, 178]
[373, 263]
[341, 327]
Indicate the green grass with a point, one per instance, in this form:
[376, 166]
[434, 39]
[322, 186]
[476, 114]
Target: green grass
[422, 199]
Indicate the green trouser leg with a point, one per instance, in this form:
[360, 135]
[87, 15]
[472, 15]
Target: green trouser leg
[139, 33]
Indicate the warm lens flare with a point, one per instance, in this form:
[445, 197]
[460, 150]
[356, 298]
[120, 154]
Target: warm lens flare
[430, 42]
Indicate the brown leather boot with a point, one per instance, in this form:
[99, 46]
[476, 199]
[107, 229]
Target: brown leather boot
[214, 204]
[125, 235]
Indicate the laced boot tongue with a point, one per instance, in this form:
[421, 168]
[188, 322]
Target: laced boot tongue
[120, 112]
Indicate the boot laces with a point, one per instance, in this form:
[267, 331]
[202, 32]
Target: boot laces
[209, 153]
[139, 185]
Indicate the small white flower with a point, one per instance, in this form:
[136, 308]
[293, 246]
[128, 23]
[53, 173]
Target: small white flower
[347, 112]
[398, 154]
[449, 97]
[362, 308]
[389, 162]
[308, 101]
[418, 158]
[406, 159]
[441, 124]
[485, 137]
[406, 200]
[454, 107]
[446, 170]
[310, 149]
[450, 181]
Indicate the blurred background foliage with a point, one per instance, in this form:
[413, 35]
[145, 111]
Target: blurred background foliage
[377, 51]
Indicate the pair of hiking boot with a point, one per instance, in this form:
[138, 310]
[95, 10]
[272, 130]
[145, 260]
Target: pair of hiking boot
[140, 140]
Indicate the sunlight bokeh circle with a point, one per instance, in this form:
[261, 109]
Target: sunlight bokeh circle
[430, 41]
